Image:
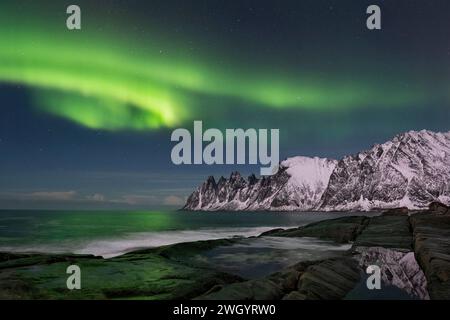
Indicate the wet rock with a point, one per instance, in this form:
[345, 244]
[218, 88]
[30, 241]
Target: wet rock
[439, 208]
[261, 289]
[13, 260]
[403, 211]
[432, 247]
[387, 232]
[274, 286]
[329, 280]
[294, 295]
[160, 273]
[341, 230]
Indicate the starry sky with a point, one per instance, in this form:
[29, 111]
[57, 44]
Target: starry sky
[86, 115]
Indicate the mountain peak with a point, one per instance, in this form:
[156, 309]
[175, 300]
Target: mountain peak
[412, 169]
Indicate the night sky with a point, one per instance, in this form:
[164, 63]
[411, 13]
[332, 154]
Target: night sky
[86, 115]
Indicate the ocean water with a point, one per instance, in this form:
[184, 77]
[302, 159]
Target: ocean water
[112, 233]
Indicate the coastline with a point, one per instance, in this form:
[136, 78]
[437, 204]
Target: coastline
[170, 272]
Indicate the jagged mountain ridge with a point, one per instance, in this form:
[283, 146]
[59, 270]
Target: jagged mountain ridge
[291, 188]
[412, 170]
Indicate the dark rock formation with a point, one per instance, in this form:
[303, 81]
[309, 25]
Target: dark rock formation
[161, 273]
[273, 287]
[341, 230]
[403, 211]
[432, 247]
[329, 279]
[439, 208]
[388, 232]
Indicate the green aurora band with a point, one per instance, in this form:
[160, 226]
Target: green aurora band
[108, 82]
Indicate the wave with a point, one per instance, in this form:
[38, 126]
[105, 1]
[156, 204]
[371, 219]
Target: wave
[116, 246]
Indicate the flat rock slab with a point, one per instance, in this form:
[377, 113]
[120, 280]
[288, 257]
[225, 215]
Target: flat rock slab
[147, 274]
[387, 232]
[432, 248]
[272, 287]
[331, 279]
[341, 230]
[319, 280]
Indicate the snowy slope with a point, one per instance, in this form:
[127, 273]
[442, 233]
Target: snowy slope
[298, 185]
[412, 170]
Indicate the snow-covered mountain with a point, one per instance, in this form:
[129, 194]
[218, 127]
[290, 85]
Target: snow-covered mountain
[298, 185]
[412, 170]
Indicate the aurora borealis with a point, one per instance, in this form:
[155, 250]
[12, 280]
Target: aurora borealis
[138, 69]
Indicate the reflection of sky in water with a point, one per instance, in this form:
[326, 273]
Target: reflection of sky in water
[387, 292]
[258, 257]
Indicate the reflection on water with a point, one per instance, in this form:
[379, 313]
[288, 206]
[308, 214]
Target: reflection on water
[258, 257]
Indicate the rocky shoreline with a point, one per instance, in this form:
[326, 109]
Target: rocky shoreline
[413, 251]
